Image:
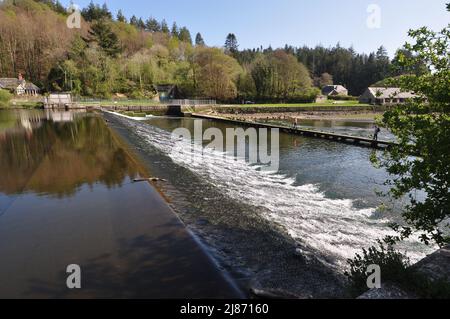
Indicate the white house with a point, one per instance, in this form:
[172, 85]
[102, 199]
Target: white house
[383, 96]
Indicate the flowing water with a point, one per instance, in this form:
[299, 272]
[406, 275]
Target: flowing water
[323, 195]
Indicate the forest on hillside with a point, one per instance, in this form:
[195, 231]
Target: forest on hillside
[112, 55]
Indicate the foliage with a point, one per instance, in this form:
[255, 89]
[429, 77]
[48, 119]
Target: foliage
[395, 269]
[217, 73]
[422, 127]
[231, 44]
[392, 263]
[324, 80]
[199, 40]
[5, 97]
[95, 12]
[279, 75]
[102, 34]
[121, 57]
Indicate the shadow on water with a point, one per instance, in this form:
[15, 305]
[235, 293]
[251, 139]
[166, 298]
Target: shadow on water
[139, 269]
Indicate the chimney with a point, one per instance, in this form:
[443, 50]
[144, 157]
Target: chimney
[20, 77]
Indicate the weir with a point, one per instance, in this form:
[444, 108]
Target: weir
[348, 139]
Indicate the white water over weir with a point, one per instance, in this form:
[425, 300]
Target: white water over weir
[333, 227]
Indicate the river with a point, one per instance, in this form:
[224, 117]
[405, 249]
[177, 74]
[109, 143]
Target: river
[67, 195]
[322, 200]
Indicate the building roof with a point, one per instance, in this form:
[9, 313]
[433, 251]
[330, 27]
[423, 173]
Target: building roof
[389, 93]
[31, 86]
[13, 83]
[10, 83]
[330, 88]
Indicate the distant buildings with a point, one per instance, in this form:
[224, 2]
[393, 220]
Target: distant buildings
[167, 92]
[58, 100]
[385, 96]
[334, 90]
[19, 86]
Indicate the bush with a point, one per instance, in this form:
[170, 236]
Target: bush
[5, 97]
[395, 269]
[393, 265]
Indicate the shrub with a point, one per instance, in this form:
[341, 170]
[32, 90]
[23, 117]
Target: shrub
[5, 97]
[393, 264]
[395, 269]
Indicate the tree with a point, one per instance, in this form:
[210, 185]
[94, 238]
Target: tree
[152, 25]
[95, 12]
[419, 164]
[217, 74]
[175, 32]
[102, 34]
[141, 24]
[199, 40]
[121, 17]
[105, 13]
[134, 21]
[184, 35]
[164, 27]
[278, 75]
[231, 44]
[324, 80]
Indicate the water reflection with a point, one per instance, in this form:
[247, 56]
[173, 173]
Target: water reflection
[55, 153]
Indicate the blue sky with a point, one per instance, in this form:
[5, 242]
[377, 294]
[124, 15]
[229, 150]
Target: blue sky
[294, 22]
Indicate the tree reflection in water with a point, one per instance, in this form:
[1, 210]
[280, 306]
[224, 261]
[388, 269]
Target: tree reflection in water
[54, 154]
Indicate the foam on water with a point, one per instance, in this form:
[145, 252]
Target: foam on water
[332, 227]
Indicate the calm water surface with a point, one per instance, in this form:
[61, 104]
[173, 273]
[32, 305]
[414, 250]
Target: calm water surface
[67, 197]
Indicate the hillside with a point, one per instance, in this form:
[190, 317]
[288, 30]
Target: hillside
[111, 55]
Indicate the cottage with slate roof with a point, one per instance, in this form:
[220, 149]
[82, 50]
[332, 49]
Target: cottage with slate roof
[19, 86]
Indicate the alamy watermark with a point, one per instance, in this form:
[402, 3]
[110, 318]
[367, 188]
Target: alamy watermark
[74, 19]
[250, 144]
[74, 279]
[374, 19]
[374, 277]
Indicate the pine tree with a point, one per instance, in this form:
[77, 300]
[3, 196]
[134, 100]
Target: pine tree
[134, 21]
[141, 24]
[231, 44]
[105, 13]
[121, 17]
[152, 25]
[175, 32]
[164, 27]
[184, 35]
[199, 40]
[102, 34]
